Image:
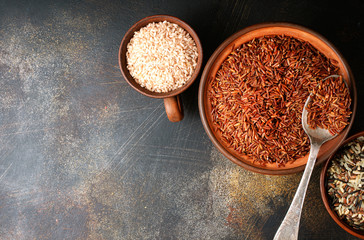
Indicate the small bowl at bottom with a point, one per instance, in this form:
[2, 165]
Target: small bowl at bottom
[324, 190]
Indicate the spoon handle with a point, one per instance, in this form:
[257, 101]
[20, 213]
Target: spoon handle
[290, 225]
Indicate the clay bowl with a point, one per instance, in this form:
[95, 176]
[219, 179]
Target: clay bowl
[246, 35]
[172, 101]
[325, 196]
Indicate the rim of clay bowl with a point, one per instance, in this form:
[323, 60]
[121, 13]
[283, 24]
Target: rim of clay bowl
[130, 33]
[246, 35]
[325, 198]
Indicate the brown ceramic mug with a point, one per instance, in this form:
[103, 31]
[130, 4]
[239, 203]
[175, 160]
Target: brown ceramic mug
[172, 100]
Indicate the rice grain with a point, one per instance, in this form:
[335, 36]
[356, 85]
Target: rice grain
[161, 56]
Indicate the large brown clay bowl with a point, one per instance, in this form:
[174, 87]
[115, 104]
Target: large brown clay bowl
[243, 36]
[172, 102]
[325, 196]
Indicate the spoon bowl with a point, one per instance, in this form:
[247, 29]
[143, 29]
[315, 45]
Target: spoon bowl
[317, 134]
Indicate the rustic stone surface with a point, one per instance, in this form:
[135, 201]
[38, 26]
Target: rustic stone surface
[84, 156]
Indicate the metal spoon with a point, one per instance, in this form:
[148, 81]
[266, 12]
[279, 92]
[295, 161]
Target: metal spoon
[290, 225]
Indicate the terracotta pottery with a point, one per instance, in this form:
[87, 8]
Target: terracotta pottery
[172, 100]
[234, 42]
[325, 197]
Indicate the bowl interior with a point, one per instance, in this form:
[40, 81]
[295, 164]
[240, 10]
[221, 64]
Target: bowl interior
[325, 197]
[244, 36]
[123, 49]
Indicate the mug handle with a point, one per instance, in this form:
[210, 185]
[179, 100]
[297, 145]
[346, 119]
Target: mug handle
[174, 108]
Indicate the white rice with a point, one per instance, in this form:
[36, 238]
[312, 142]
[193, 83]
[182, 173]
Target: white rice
[161, 56]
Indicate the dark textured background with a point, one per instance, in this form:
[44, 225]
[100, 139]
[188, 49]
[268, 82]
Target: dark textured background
[84, 156]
